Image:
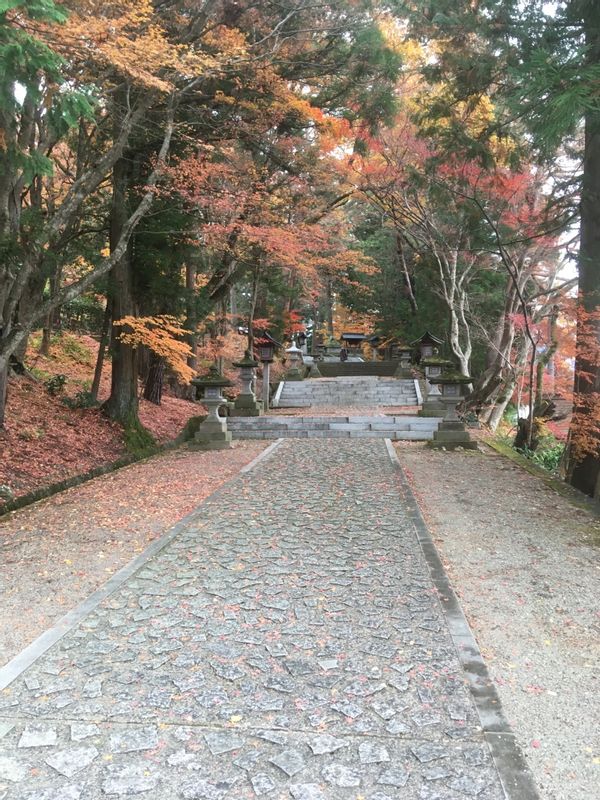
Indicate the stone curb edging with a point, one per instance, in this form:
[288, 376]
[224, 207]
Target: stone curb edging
[515, 775]
[277, 396]
[77, 480]
[551, 481]
[23, 660]
[418, 392]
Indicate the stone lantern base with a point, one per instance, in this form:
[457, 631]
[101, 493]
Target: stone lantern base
[314, 371]
[294, 374]
[403, 371]
[246, 405]
[450, 435]
[212, 434]
[432, 407]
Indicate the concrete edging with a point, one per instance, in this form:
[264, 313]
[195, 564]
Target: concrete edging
[23, 660]
[514, 772]
[418, 392]
[44, 492]
[277, 396]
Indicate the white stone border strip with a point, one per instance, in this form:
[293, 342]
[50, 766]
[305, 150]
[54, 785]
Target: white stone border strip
[418, 392]
[516, 777]
[277, 397]
[266, 453]
[23, 660]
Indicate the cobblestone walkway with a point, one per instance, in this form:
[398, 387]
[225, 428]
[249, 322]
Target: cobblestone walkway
[287, 644]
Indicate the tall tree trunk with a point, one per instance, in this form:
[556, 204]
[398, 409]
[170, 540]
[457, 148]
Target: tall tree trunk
[329, 306]
[544, 360]
[104, 336]
[3, 389]
[583, 470]
[122, 405]
[222, 327]
[407, 277]
[154, 382]
[499, 375]
[252, 310]
[52, 316]
[191, 321]
[31, 297]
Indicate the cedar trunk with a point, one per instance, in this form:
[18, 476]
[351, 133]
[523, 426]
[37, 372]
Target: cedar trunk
[122, 405]
[3, 389]
[104, 337]
[154, 382]
[584, 474]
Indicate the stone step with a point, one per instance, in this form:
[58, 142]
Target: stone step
[353, 390]
[296, 387]
[366, 391]
[277, 433]
[308, 386]
[307, 394]
[322, 427]
[390, 421]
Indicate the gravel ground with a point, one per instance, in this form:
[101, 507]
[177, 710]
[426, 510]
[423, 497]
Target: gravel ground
[55, 553]
[524, 562]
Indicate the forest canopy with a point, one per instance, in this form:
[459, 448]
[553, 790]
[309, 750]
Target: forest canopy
[178, 172]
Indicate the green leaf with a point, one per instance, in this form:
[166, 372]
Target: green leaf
[6, 5]
[33, 165]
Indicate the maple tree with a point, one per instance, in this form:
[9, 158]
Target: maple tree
[540, 64]
[132, 76]
[165, 339]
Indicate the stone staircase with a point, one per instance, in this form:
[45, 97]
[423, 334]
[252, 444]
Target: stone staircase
[350, 368]
[275, 427]
[346, 391]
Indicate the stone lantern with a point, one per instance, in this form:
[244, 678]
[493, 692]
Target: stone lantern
[404, 368]
[212, 434]
[301, 339]
[452, 433]
[296, 364]
[265, 347]
[374, 342]
[434, 367]
[246, 404]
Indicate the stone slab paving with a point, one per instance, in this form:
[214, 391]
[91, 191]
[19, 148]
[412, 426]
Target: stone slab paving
[287, 643]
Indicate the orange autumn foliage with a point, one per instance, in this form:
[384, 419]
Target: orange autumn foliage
[163, 336]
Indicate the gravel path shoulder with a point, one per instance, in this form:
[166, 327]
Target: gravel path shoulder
[55, 553]
[525, 563]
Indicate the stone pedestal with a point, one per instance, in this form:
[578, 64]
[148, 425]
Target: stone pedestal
[432, 402]
[246, 404]
[212, 434]
[431, 408]
[452, 433]
[404, 368]
[295, 372]
[314, 371]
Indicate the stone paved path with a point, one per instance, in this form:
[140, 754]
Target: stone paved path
[287, 644]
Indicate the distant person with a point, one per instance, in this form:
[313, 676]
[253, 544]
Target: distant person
[343, 354]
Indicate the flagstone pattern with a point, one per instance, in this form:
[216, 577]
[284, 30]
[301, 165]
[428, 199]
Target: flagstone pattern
[288, 643]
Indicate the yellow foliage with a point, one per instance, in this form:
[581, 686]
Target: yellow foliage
[394, 34]
[126, 36]
[162, 335]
